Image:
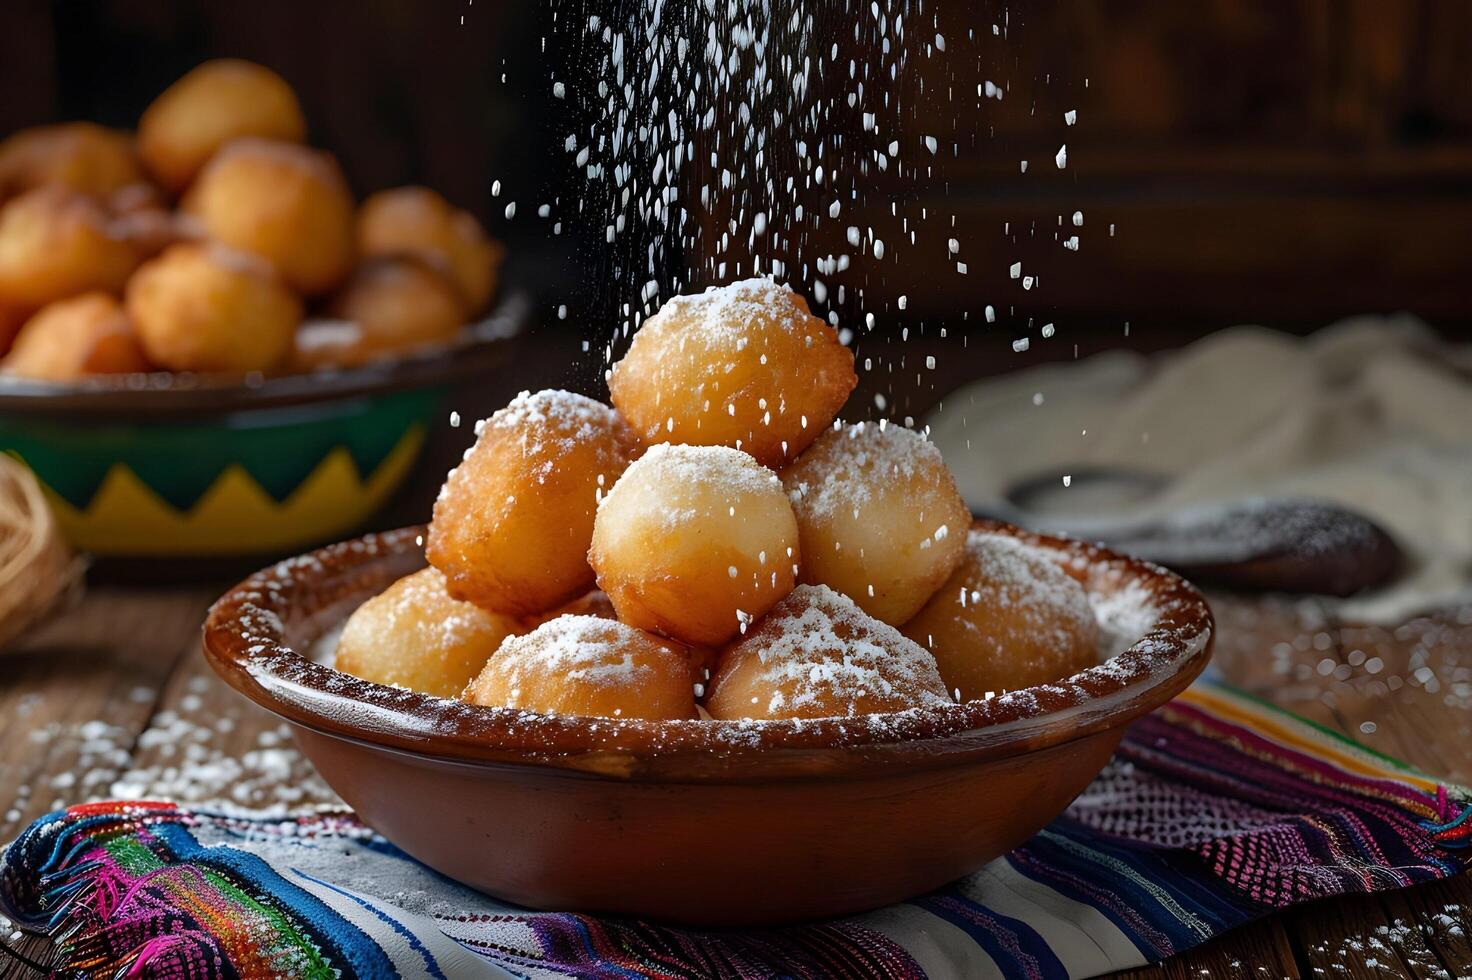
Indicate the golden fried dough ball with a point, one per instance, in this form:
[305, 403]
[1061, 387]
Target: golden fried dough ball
[418, 221]
[880, 517]
[1008, 618]
[744, 365]
[286, 203]
[399, 304]
[695, 542]
[215, 103]
[80, 156]
[414, 635]
[817, 655]
[204, 307]
[55, 243]
[591, 667]
[513, 521]
[73, 338]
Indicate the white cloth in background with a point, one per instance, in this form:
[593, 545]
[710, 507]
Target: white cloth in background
[1374, 414]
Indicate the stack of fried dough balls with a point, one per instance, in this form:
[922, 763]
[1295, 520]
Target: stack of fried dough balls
[215, 240]
[647, 560]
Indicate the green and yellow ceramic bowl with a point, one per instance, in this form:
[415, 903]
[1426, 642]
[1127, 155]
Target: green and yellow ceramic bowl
[170, 466]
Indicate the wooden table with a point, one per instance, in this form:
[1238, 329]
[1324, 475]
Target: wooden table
[114, 699]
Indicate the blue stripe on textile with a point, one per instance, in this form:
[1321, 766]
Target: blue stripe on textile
[430, 964]
[1180, 908]
[350, 944]
[972, 919]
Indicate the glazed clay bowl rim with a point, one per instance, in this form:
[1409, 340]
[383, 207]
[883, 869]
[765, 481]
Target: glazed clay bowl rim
[248, 634]
[163, 395]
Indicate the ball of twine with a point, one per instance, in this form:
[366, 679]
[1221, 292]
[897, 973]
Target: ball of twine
[38, 572]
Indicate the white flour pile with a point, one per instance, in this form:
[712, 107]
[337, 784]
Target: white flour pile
[1371, 414]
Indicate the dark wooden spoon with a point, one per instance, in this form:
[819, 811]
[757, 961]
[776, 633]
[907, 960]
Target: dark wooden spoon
[1255, 545]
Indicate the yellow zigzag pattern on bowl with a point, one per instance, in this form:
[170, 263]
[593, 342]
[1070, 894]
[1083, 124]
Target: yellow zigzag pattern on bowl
[235, 515]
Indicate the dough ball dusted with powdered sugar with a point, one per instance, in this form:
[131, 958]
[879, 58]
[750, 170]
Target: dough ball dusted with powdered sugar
[879, 516]
[818, 655]
[744, 365]
[1008, 618]
[414, 635]
[588, 666]
[695, 542]
[513, 522]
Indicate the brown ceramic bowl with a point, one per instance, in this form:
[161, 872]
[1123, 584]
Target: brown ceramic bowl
[703, 822]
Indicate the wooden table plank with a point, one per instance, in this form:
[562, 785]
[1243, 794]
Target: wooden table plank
[76, 694]
[208, 743]
[1259, 951]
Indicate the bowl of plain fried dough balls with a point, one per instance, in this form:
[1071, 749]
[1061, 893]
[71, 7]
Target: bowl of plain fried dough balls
[708, 654]
[208, 346]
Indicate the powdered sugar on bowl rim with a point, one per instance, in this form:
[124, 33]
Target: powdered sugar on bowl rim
[254, 632]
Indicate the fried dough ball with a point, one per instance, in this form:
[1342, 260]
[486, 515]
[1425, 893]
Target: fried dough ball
[1008, 618]
[414, 635]
[399, 304]
[418, 221]
[744, 365]
[513, 521]
[55, 243]
[217, 102]
[817, 655]
[80, 156]
[879, 515]
[73, 338]
[286, 203]
[695, 542]
[590, 667]
[204, 307]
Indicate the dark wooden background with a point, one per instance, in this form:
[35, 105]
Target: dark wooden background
[1285, 162]
[1278, 161]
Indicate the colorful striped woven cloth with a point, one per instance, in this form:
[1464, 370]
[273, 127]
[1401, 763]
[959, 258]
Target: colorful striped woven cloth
[1215, 811]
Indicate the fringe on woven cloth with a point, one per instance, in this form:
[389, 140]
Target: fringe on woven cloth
[84, 899]
[1455, 831]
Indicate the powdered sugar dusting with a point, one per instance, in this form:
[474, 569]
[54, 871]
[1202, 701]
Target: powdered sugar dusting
[548, 425]
[837, 472]
[727, 314]
[581, 649]
[721, 468]
[821, 655]
[1125, 615]
[1027, 584]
